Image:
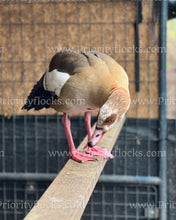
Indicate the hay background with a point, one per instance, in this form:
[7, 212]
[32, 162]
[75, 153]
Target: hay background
[28, 32]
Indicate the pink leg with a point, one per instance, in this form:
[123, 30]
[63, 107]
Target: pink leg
[77, 156]
[95, 151]
[87, 118]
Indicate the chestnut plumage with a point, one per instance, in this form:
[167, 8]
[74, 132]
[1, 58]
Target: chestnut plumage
[84, 82]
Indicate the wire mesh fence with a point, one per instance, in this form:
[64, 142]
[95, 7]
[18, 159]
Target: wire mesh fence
[130, 159]
[108, 201]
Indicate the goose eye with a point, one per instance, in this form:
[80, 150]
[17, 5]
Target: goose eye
[110, 119]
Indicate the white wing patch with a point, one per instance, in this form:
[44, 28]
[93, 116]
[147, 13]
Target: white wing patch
[54, 81]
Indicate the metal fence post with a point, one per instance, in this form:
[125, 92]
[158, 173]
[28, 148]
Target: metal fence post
[163, 110]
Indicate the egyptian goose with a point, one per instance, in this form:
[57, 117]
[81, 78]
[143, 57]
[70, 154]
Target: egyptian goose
[83, 82]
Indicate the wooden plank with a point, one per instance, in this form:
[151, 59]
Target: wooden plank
[68, 195]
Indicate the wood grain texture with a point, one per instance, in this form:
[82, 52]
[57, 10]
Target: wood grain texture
[68, 195]
[102, 26]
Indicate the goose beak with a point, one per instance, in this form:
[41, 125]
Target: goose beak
[96, 137]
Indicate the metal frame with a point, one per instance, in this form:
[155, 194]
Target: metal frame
[163, 109]
[102, 179]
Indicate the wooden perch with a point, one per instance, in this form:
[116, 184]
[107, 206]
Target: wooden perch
[69, 193]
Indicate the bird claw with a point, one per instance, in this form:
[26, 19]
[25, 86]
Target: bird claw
[82, 157]
[95, 151]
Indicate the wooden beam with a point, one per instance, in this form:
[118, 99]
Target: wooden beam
[69, 193]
